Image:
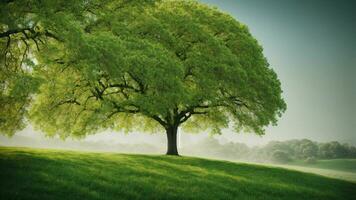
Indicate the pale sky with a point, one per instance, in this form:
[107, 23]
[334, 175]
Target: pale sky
[311, 44]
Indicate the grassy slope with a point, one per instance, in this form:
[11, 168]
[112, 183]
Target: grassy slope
[336, 168]
[54, 174]
[346, 165]
[349, 176]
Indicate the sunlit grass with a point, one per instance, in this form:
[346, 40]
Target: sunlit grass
[346, 165]
[336, 168]
[53, 174]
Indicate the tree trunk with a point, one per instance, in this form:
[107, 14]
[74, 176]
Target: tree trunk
[172, 140]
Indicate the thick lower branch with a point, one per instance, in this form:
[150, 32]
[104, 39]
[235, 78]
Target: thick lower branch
[13, 31]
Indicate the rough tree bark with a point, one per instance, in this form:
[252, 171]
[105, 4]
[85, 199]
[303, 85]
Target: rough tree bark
[172, 140]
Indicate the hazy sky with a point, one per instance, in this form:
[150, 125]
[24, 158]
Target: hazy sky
[311, 44]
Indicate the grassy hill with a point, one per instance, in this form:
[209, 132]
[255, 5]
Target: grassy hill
[340, 169]
[346, 165]
[54, 174]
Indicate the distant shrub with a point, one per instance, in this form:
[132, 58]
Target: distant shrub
[310, 160]
[280, 157]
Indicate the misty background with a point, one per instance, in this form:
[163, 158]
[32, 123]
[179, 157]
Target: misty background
[311, 45]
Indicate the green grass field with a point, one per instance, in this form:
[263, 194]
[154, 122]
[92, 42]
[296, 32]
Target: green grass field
[337, 168]
[345, 165]
[55, 174]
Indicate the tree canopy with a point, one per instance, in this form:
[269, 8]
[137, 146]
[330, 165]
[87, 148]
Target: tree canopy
[145, 65]
[26, 26]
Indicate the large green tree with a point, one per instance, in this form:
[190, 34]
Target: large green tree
[150, 66]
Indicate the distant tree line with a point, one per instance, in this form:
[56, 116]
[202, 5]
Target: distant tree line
[276, 151]
[308, 150]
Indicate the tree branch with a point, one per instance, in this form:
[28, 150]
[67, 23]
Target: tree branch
[13, 31]
[159, 120]
[69, 101]
[123, 86]
[185, 117]
[139, 82]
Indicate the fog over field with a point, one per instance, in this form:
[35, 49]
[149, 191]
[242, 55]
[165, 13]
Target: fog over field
[200, 145]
